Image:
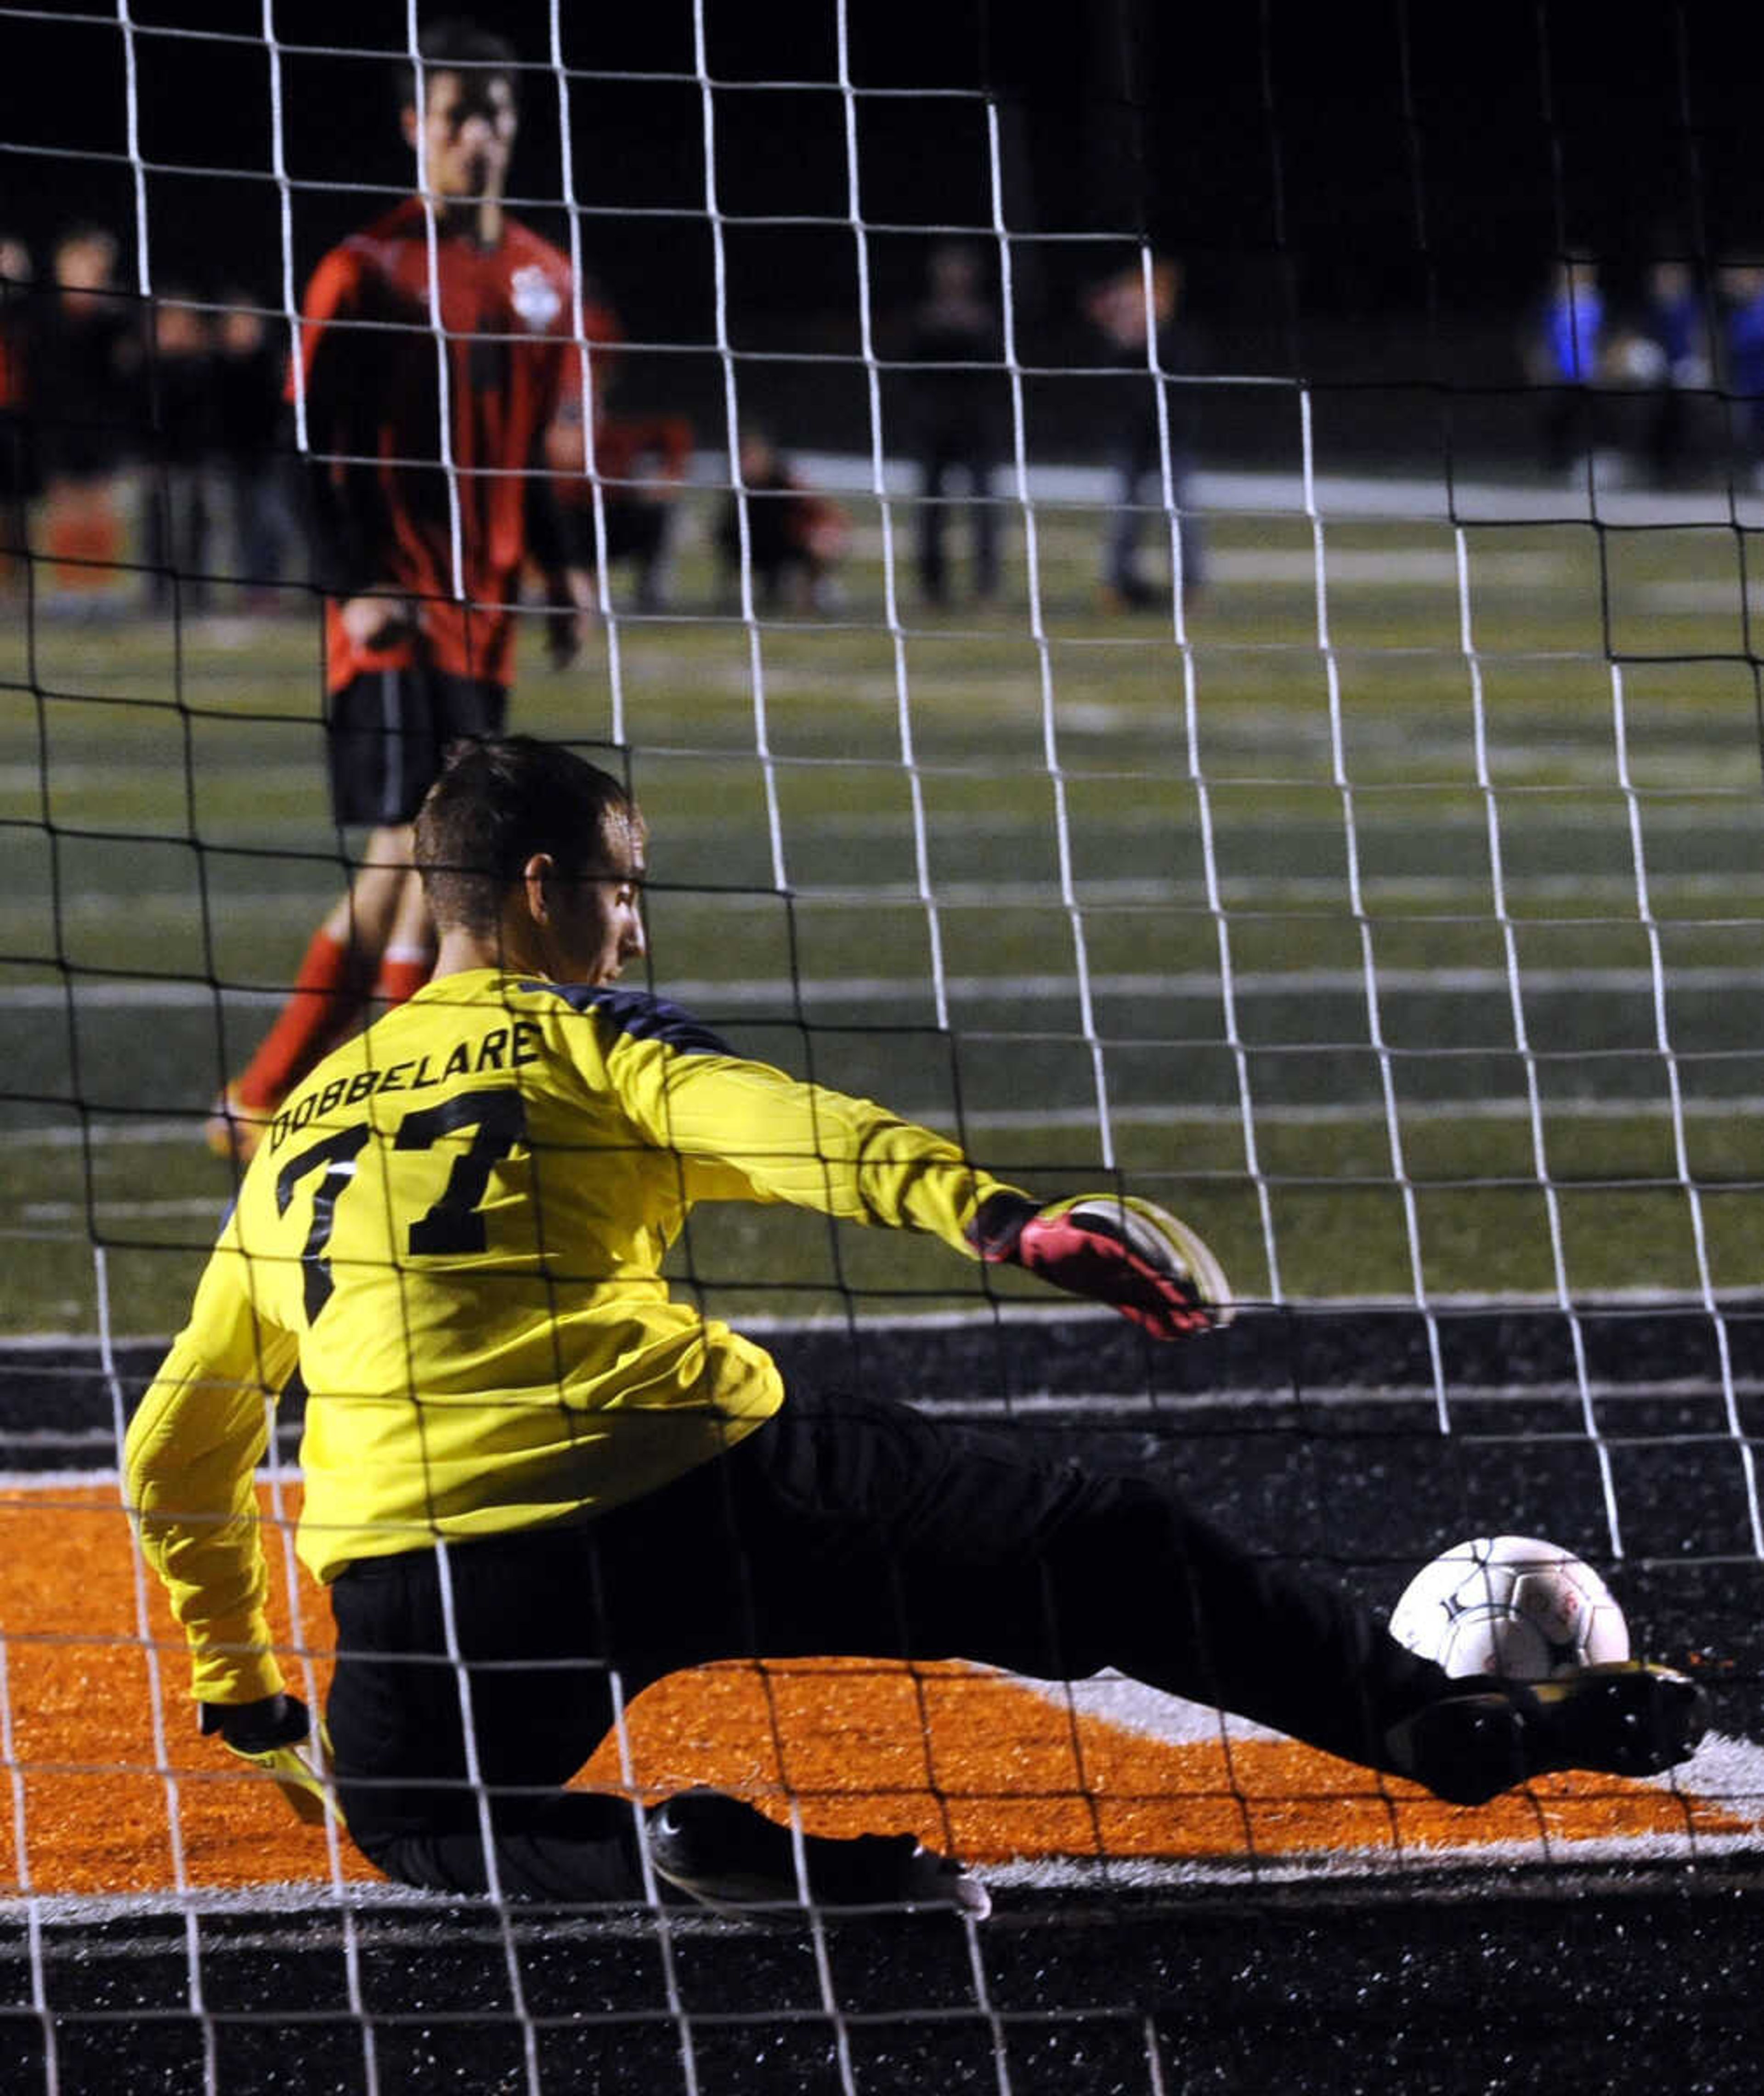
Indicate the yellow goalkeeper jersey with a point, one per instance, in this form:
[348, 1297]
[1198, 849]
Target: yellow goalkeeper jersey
[455, 1228]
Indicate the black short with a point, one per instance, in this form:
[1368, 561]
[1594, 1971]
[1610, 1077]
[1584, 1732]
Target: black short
[845, 1526]
[21, 474]
[388, 731]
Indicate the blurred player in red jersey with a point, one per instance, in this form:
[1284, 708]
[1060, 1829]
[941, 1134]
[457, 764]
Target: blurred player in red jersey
[20, 475]
[428, 495]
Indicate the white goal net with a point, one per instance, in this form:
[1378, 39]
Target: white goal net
[1173, 614]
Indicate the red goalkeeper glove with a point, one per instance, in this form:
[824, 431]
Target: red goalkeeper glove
[268, 1734]
[1115, 1249]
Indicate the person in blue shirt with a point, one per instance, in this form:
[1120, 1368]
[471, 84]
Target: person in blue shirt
[1670, 356]
[1742, 287]
[1572, 354]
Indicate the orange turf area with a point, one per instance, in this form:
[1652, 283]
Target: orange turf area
[968, 1760]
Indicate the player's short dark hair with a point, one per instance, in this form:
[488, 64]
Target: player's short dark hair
[495, 804]
[458, 46]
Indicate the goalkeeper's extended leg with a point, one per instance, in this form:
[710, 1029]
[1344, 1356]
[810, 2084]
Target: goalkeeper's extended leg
[1255, 1636]
[970, 1547]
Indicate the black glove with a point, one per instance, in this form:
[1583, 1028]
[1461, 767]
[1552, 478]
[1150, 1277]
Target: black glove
[268, 1734]
[1146, 1262]
[259, 1727]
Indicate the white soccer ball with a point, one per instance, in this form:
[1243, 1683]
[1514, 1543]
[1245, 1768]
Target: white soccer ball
[1512, 1606]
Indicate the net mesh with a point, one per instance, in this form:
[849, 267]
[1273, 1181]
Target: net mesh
[1272, 724]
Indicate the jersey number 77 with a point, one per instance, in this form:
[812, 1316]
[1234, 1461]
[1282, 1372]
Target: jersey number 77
[455, 1224]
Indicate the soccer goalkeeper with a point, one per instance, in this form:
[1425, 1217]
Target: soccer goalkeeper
[535, 1484]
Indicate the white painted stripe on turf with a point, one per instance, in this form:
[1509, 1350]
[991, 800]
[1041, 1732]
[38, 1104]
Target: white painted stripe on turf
[1118, 1700]
[124, 1211]
[102, 904]
[1397, 567]
[874, 989]
[1557, 1864]
[1724, 1771]
[1079, 1407]
[1174, 1114]
[1557, 1860]
[1404, 498]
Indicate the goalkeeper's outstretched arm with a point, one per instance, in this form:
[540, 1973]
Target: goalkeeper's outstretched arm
[189, 1463]
[744, 1130]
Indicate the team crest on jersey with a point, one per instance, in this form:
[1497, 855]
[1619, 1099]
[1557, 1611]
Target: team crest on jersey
[535, 298]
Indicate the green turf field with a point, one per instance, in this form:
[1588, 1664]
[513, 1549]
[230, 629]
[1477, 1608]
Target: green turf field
[1323, 894]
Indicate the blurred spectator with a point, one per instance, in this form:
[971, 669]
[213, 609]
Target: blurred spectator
[640, 464]
[1675, 327]
[20, 473]
[1139, 332]
[91, 357]
[248, 369]
[642, 461]
[182, 439]
[1742, 286]
[956, 340]
[1568, 361]
[795, 537]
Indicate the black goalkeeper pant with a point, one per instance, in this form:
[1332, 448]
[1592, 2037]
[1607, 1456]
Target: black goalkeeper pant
[843, 1526]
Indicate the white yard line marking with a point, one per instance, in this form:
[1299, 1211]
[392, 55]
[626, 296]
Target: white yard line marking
[1172, 1114]
[1727, 886]
[169, 996]
[1397, 567]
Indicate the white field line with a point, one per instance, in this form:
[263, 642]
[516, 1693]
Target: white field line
[1726, 1772]
[715, 995]
[1089, 1407]
[61, 1212]
[1401, 567]
[997, 1314]
[1174, 1114]
[102, 904]
[1699, 594]
[1375, 1867]
[1337, 498]
[1247, 1401]
[300, 1904]
[1721, 1767]
[1674, 805]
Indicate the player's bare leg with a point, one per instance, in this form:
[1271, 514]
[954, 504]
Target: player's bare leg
[331, 990]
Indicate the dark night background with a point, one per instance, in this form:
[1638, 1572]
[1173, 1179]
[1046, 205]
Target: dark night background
[1363, 197]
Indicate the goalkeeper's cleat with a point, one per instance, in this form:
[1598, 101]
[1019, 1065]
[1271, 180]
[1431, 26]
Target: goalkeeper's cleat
[1629, 1718]
[302, 1777]
[734, 1860]
[272, 1734]
[233, 1130]
[1625, 1718]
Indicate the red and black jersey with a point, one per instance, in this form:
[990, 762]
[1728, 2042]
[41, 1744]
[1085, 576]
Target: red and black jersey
[385, 483]
[15, 349]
